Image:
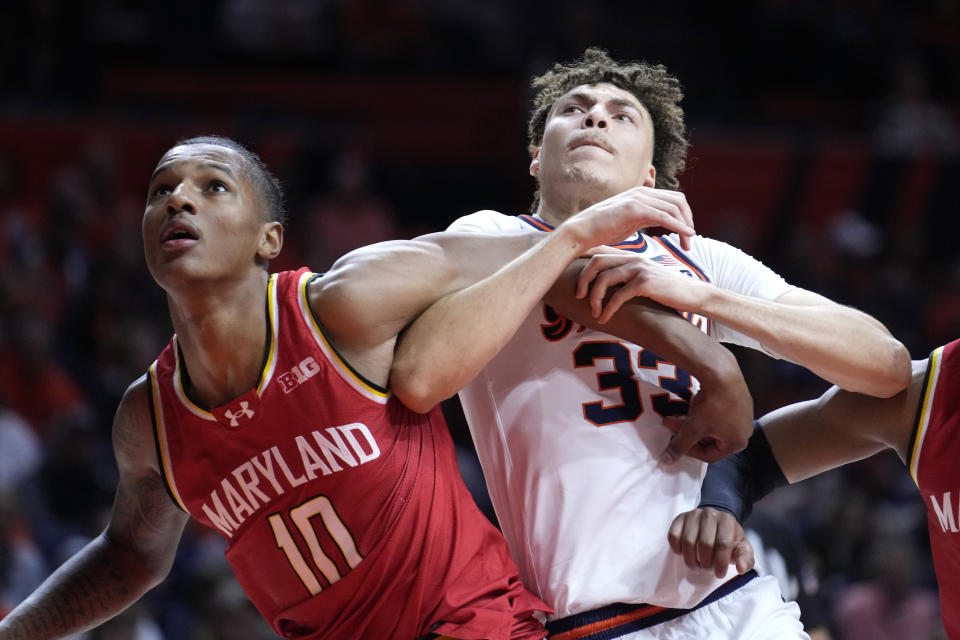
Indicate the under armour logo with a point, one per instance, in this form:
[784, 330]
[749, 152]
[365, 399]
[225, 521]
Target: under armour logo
[245, 412]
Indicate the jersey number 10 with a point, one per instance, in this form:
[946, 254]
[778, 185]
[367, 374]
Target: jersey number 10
[302, 519]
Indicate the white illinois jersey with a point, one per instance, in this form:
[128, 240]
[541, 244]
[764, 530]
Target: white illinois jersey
[568, 425]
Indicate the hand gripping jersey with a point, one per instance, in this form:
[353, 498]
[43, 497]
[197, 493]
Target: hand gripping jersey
[567, 422]
[344, 512]
[933, 465]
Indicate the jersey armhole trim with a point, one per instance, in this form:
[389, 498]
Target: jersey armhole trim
[355, 377]
[922, 420]
[163, 460]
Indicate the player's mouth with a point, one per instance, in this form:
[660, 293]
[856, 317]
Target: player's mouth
[178, 234]
[590, 141]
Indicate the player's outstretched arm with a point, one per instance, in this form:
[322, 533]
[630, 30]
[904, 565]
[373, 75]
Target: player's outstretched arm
[840, 344]
[372, 293]
[452, 340]
[131, 556]
[794, 443]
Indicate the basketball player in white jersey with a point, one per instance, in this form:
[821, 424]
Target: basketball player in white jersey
[569, 421]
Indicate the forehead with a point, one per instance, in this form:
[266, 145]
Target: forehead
[205, 155]
[602, 92]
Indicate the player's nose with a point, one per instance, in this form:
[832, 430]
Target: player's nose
[180, 200]
[595, 117]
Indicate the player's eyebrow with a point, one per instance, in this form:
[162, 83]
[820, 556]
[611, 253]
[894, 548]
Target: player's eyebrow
[624, 102]
[210, 164]
[586, 98]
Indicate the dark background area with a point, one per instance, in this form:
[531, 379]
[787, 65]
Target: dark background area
[824, 142]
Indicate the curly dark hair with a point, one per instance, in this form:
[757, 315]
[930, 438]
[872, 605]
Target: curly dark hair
[652, 85]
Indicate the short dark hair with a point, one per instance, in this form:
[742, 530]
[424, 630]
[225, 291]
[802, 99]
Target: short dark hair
[265, 183]
[658, 91]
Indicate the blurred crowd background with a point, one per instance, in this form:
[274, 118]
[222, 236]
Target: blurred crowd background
[824, 142]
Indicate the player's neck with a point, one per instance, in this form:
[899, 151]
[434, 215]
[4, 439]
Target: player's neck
[557, 210]
[223, 339]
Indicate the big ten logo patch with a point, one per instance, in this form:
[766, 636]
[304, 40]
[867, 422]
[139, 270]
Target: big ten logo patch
[290, 380]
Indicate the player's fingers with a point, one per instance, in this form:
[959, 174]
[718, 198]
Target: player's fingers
[672, 223]
[719, 449]
[743, 556]
[674, 534]
[617, 300]
[667, 215]
[681, 442]
[708, 449]
[728, 535]
[679, 199]
[689, 535]
[604, 281]
[606, 250]
[596, 265]
[707, 538]
[674, 423]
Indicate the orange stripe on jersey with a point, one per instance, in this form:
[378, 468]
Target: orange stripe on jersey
[344, 368]
[160, 439]
[923, 413]
[539, 224]
[609, 623]
[682, 259]
[639, 244]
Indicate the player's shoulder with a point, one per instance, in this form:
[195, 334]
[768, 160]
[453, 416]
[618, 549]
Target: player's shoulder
[133, 424]
[487, 220]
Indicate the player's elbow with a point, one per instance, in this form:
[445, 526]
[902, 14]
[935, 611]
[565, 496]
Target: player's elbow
[892, 370]
[418, 393]
[900, 368]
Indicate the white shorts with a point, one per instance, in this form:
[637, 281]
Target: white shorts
[755, 611]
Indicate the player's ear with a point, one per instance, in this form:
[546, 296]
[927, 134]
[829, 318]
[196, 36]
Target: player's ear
[535, 163]
[651, 179]
[271, 240]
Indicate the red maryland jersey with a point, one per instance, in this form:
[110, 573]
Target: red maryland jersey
[344, 512]
[933, 464]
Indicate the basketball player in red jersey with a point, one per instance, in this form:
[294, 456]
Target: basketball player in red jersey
[921, 424]
[267, 418]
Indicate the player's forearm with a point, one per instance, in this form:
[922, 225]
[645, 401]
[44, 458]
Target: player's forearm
[663, 331]
[840, 344]
[657, 328]
[93, 586]
[457, 336]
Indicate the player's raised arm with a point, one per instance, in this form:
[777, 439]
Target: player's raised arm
[372, 293]
[131, 556]
[789, 445]
[840, 344]
[459, 334]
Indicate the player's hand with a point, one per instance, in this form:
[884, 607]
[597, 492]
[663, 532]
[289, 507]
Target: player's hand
[709, 537]
[625, 275]
[718, 423]
[617, 218]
